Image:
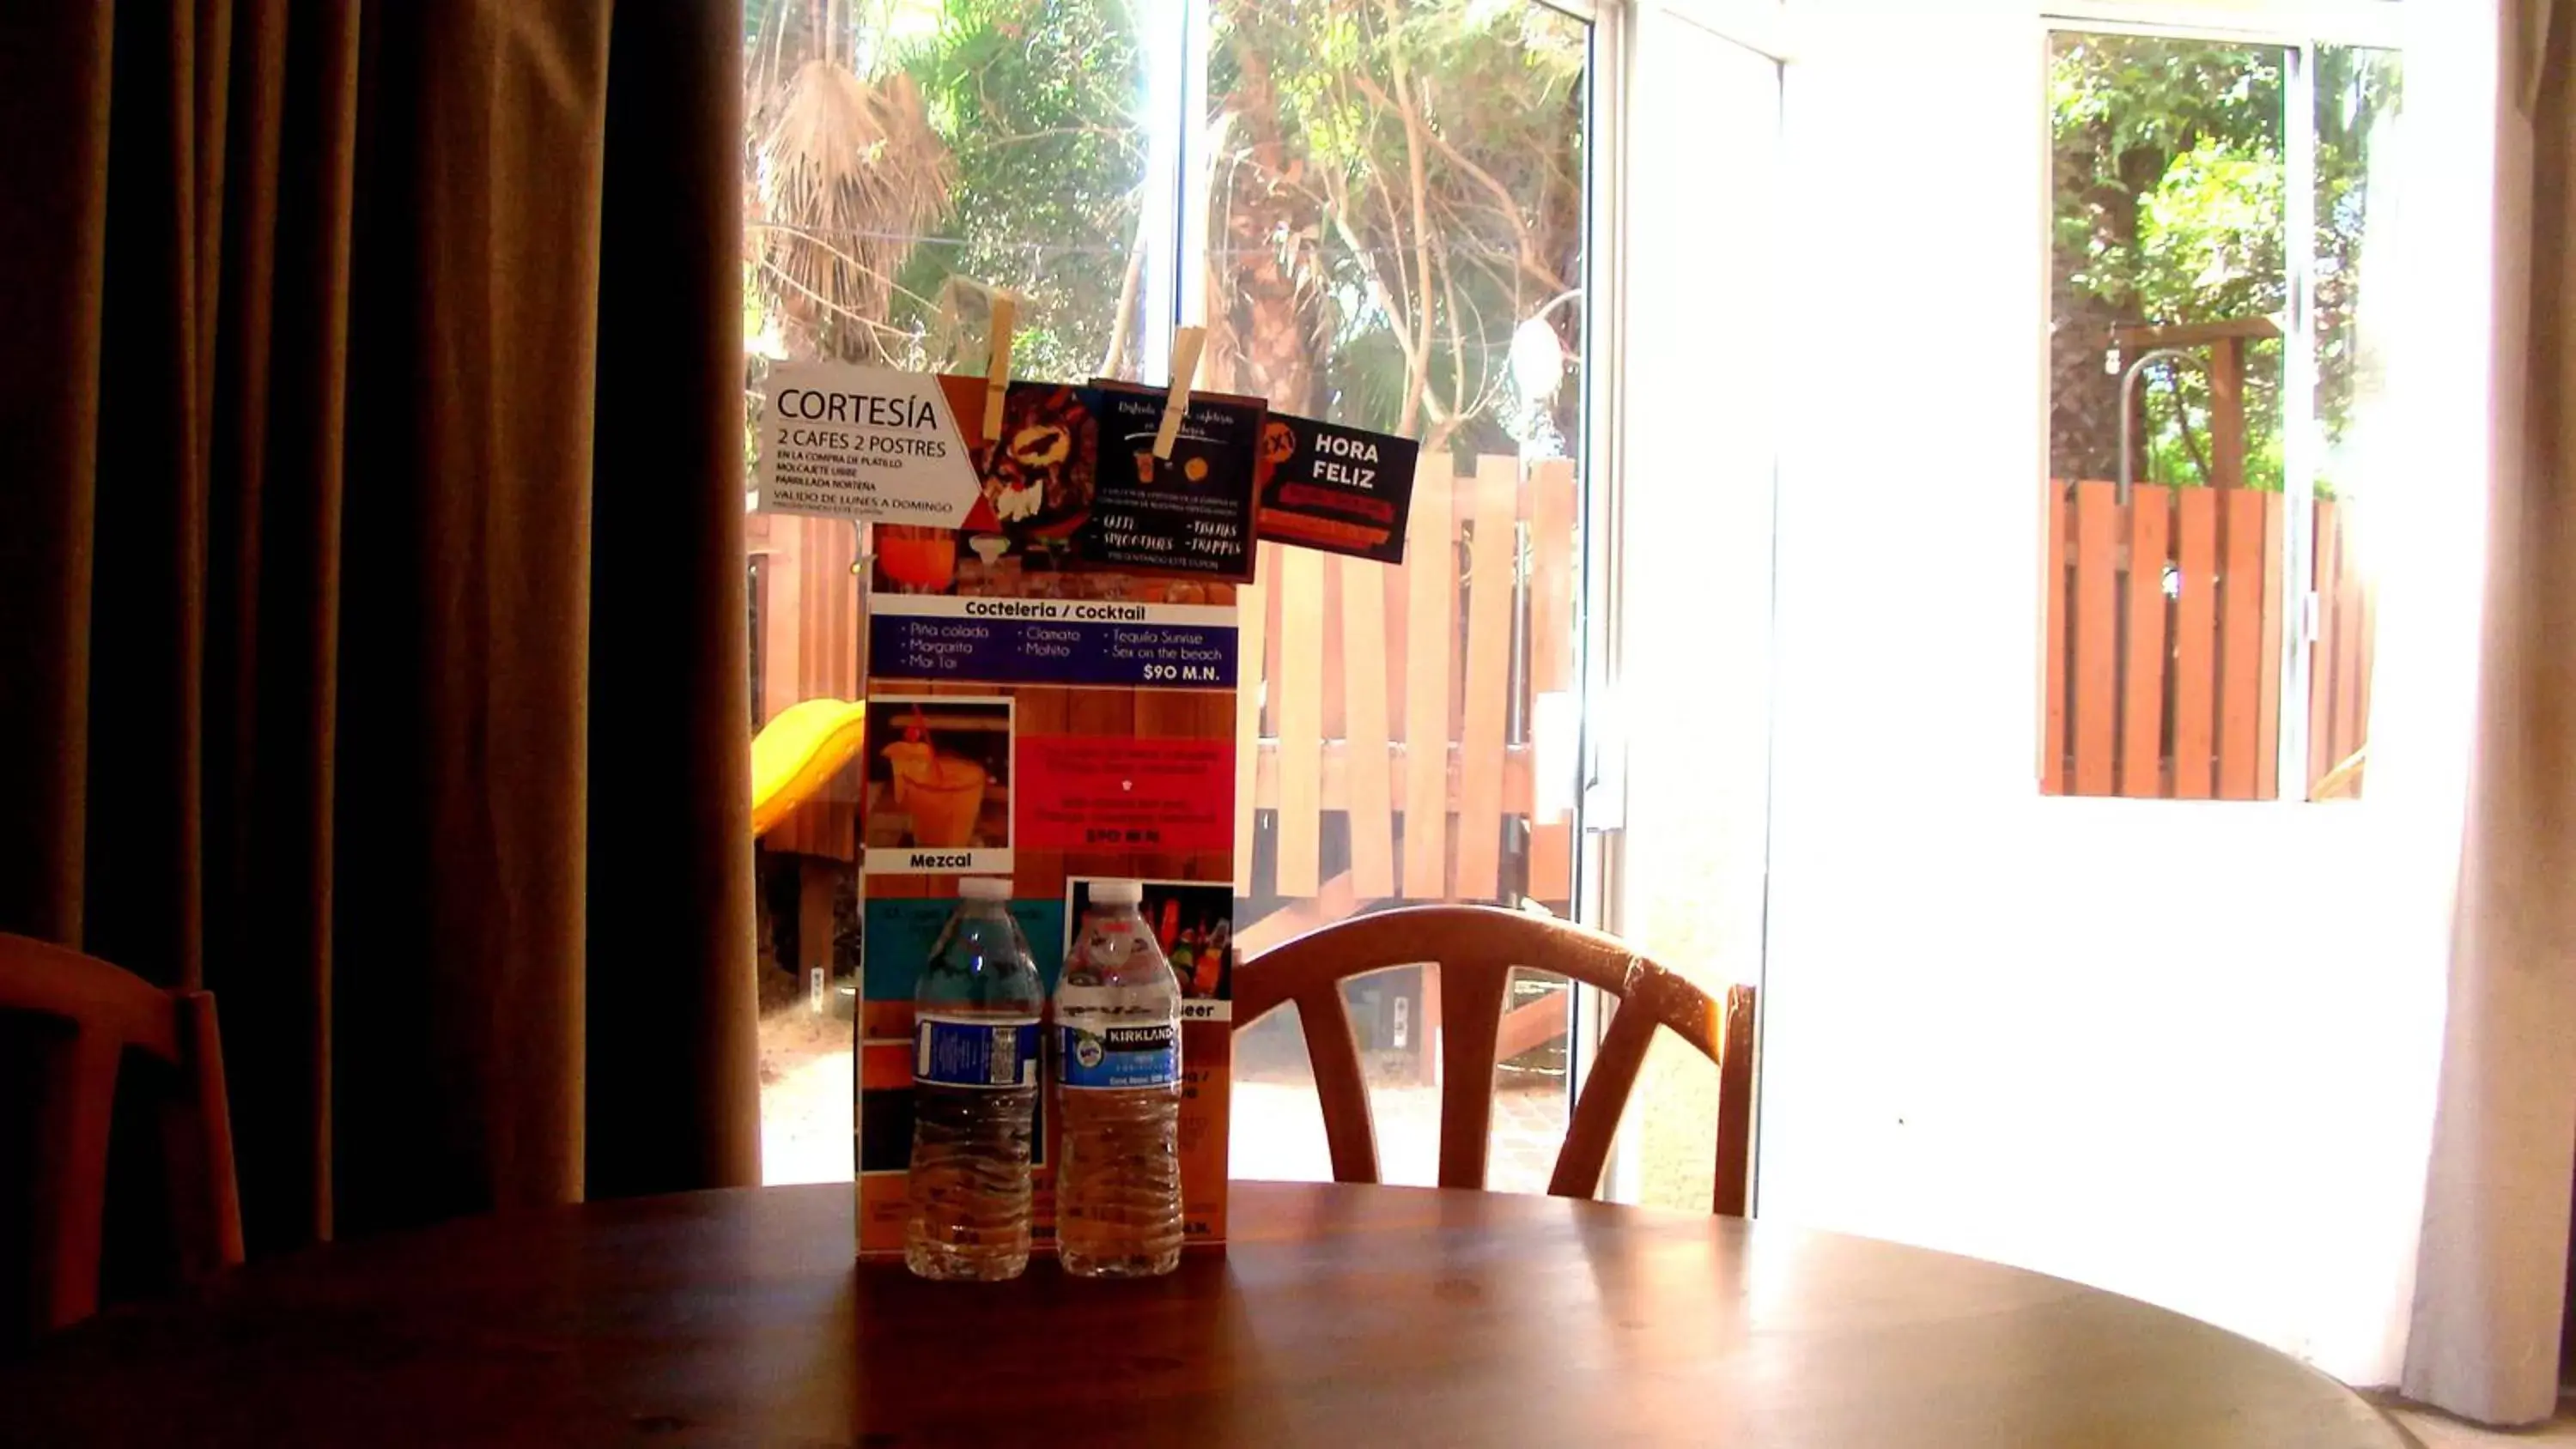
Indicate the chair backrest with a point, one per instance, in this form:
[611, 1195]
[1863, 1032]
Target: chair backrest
[1474, 948]
[92, 1014]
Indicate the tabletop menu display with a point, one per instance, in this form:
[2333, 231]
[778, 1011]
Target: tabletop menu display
[1051, 669]
[1036, 716]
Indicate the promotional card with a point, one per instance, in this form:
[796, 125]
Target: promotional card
[1342, 490]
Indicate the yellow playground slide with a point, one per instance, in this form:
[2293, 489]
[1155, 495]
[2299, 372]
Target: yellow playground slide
[798, 752]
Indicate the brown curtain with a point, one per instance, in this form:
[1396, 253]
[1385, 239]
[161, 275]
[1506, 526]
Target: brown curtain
[2491, 1271]
[372, 640]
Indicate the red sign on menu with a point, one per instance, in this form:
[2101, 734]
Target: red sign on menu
[1089, 792]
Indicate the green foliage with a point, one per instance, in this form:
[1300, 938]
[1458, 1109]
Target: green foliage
[1040, 102]
[2168, 178]
[1393, 187]
[1398, 187]
[2171, 207]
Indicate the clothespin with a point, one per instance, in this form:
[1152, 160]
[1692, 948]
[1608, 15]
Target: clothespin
[997, 374]
[1186, 345]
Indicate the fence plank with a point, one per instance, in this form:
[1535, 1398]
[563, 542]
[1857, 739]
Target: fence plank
[1372, 807]
[1252, 620]
[2240, 632]
[1431, 597]
[1494, 577]
[2097, 666]
[1519, 777]
[1551, 504]
[2368, 628]
[1300, 711]
[2321, 650]
[813, 623]
[2267, 705]
[1553, 500]
[2053, 605]
[2195, 641]
[2351, 643]
[2142, 703]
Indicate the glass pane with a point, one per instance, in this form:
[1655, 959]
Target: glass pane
[2169, 214]
[2169, 306]
[897, 171]
[1696, 569]
[2179, 630]
[1531, 1103]
[1395, 215]
[1277, 1127]
[1278, 1124]
[1396, 223]
[2359, 100]
[933, 153]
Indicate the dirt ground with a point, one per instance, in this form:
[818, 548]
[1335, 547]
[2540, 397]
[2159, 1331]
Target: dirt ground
[805, 1086]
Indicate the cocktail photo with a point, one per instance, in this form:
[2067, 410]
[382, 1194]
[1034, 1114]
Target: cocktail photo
[1192, 922]
[938, 785]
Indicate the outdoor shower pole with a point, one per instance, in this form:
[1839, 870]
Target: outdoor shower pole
[2128, 391]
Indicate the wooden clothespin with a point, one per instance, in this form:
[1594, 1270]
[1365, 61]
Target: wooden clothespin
[997, 374]
[1186, 345]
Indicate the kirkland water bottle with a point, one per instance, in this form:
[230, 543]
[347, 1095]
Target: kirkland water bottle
[1118, 1057]
[974, 1092]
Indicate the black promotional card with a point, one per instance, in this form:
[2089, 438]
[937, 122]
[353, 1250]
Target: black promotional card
[1191, 513]
[1335, 488]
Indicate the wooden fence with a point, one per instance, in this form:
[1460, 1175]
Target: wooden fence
[2165, 620]
[1468, 647]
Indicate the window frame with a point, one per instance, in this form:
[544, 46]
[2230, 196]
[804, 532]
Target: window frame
[2299, 28]
[1764, 28]
[2378, 24]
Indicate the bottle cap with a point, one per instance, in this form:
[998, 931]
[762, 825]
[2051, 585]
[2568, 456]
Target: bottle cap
[984, 888]
[1116, 892]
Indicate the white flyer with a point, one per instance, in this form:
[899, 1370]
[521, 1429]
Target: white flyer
[838, 441]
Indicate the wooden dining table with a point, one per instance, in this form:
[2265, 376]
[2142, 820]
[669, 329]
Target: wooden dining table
[1339, 1316]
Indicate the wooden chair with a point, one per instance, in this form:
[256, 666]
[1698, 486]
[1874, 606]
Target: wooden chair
[88, 1015]
[1474, 948]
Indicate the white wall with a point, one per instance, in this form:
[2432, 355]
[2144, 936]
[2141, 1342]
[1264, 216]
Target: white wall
[2180, 1050]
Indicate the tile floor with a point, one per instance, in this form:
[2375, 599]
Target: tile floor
[2436, 1430]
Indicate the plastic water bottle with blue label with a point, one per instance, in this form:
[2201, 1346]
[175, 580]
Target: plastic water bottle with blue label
[974, 1092]
[1118, 1061]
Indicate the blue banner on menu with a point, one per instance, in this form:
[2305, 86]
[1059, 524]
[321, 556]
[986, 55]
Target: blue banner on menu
[1051, 641]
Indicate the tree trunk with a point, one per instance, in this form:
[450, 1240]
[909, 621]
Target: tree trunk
[1264, 305]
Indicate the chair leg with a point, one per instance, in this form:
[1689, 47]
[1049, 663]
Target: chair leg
[215, 1238]
[71, 1155]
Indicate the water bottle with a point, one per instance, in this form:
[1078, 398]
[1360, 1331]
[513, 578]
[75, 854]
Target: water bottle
[1118, 1061]
[974, 1092]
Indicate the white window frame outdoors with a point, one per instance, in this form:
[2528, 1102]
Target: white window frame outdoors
[2300, 28]
[1762, 27]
